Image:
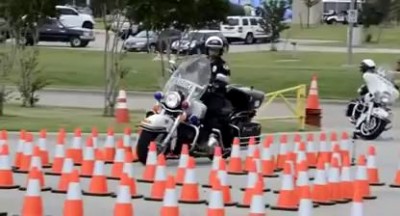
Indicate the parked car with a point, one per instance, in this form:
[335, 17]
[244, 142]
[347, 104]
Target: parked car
[194, 42]
[53, 30]
[70, 17]
[332, 17]
[243, 28]
[154, 42]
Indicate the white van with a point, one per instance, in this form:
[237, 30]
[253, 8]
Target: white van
[243, 28]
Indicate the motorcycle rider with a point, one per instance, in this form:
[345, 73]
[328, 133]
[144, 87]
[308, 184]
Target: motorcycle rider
[218, 106]
[366, 66]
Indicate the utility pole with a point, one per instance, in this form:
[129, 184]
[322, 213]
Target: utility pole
[352, 20]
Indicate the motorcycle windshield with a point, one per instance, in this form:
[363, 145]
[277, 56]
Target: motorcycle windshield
[191, 77]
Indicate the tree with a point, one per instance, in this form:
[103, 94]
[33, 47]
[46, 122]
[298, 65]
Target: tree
[113, 15]
[371, 15]
[5, 70]
[309, 4]
[24, 17]
[273, 20]
[395, 11]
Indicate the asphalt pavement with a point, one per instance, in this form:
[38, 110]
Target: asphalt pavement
[333, 120]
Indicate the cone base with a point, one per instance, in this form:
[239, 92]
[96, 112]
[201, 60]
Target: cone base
[85, 176]
[145, 181]
[343, 201]
[47, 166]
[136, 196]
[370, 197]
[209, 186]
[264, 190]
[278, 170]
[153, 199]
[17, 170]
[51, 173]
[86, 193]
[226, 204]
[237, 173]
[327, 203]
[3, 213]
[284, 208]
[377, 184]
[241, 205]
[271, 176]
[58, 191]
[192, 201]
[394, 186]
[77, 164]
[113, 178]
[312, 167]
[9, 187]
[43, 189]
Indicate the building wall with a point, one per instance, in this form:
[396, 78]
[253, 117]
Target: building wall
[300, 12]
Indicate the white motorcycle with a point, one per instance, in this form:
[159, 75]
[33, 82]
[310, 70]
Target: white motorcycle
[371, 114]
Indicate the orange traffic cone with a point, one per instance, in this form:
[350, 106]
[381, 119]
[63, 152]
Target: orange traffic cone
[372, 169]
[63, 182]
[160, 180]
[20, 149]
[121, 109]
[287, 198]
[183, 161]
[361, 180]
[313, 99]
[345, 145]
[190, 189]
[98, 183]
[252, 177]
[109, 146]
[3, 137]
[151, 163]
[235, 166]
[346, 178]
[214, 167]
[32, 204]
[324, 151]
[357, 207]
[75, 151]
[95, 136]
[26, 155]
[320, 191]
[119, 160]
[311, 151]
[302, 181]
[396, 182]
[128, 170]
[88, 159]
[37, 172]
[301, 155]
[44, 154]
[215, 201]
[250, 154]
[222, 176]
[123, 205]
[59, 155]
[170, 204]
[267, 161]
[130, 146]
[306, 204]
[282, 152]
[6, 175]
[257, 205]
[73, 205]
[334, 183]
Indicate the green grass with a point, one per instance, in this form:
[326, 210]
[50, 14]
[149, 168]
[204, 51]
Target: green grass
[267, 71]
[54, 118]
[389, 37]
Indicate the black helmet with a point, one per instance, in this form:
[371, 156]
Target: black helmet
[367, 65]
[215, 43]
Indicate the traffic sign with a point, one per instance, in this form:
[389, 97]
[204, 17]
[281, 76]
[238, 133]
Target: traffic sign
[353, 16]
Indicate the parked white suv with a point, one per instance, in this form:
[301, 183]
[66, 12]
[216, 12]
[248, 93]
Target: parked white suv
[243, 28]
[70, 17]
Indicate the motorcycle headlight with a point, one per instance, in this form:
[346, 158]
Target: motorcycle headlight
[385, 99]
[172, 100]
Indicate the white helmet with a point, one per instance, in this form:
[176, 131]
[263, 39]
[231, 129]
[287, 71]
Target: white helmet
[214, 42]
[367, 65]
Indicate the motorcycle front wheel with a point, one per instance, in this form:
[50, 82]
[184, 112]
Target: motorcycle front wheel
[373, 129]
[145, 138]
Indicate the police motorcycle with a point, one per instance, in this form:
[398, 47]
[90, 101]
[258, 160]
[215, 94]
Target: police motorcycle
[177, 117]
[371, 114]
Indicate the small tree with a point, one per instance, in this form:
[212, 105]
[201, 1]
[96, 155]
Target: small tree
[371, 15]
[273, 20]
[309, 4]
[31, 79]
[5, 70]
